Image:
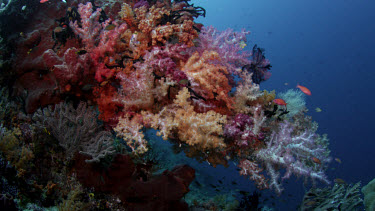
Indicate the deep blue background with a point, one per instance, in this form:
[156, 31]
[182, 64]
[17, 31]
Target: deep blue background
[327, 46]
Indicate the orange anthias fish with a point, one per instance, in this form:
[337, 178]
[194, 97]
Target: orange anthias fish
[43, 1]
[280, 102]
[304, 89]
[316, 160]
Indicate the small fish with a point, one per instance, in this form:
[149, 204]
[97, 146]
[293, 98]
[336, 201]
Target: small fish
[29, 51]
[103, 83]
[81, 52]
[217, 190]
[242, 44]
[184, 82]
[43, 1]
[339, 181]
[245, 193]
[234, 183]
[87, 87]
[286, 84]
[317, 109]
[22, 34]
[316, 160]
[91, 195]
[198, 184]
[280, 102]
[221, 182]
[310, 203]
[304, 90]
[213, 186]
[23, 7]
[110, 27]
[45, 130]
[338, 160]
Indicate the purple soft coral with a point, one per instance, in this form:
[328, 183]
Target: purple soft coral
[227, 44]
[295, 153]
[240, 129]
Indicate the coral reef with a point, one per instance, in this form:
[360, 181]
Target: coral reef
[86, 81]
[369, 192]
[76, 130]
[339, 197]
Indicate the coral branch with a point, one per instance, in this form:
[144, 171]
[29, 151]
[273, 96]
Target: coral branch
[296, 153]
[254, 172]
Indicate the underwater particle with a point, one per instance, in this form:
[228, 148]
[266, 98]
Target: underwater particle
[286, 84]
[23, 8]
[317, 109]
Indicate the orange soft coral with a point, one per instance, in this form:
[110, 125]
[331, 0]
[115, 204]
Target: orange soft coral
[149, 20]
[184, 32]
[208, 78]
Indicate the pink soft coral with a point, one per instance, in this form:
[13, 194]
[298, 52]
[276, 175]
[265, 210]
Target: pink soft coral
[97, 41]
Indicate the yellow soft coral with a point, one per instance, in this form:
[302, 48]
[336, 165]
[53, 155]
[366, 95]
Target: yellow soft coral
[203, 130]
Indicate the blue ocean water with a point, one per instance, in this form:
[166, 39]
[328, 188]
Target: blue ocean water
[327, 46]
